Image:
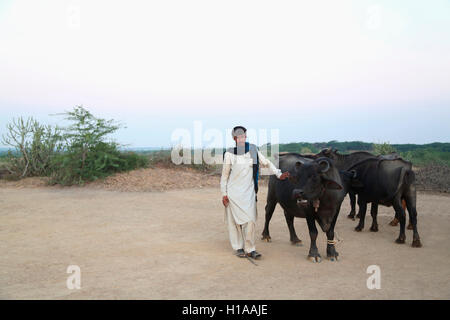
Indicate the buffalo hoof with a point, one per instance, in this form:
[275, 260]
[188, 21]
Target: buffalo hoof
[266, 238]
[333, 256]
[358, 215]
[351, 216]
[394, 222]
[410, 227]
[400, 240]
[333, 259]
[358, 228]
[374, 228]
[315, 259]
[416, 243]
[297, 243]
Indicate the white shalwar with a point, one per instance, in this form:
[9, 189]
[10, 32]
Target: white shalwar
[237, 183]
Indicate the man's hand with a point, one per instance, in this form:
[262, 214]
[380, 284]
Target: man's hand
[284, 175]
[225, 201]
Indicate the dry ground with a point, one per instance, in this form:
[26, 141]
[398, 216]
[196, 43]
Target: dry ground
[173, 245]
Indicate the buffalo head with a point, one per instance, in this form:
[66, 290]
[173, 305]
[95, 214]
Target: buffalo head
[311, 179]
[328, 152]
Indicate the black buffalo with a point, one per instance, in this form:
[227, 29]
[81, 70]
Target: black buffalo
[387, 181]
[315, 191]
[345, 162]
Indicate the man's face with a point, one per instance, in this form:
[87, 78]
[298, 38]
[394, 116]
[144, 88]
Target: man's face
[240, 139]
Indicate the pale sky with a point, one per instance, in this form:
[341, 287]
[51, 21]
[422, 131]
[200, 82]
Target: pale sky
[315, 70]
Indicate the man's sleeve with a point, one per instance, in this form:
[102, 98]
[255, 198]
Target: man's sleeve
[264, 162]
[226, 168]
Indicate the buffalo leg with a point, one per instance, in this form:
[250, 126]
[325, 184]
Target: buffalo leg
[405, 202]
[411, 205]
[352, 196]
[394, 221]
[400, 214]
[332, 254]
[404, 205]
[313, 255]
[362, 214]
[270, 207]
[359, 213]
[374, 213]
[293, 236]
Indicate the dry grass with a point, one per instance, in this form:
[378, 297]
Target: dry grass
[157, 178]
[160, 177]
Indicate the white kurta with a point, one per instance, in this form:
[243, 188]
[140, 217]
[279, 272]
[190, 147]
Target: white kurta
[237, 183]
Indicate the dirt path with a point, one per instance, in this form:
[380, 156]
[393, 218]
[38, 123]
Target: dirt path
[174, 245]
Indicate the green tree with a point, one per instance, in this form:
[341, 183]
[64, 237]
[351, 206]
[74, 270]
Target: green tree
[88, 155]
[305, 150]
[383, 148]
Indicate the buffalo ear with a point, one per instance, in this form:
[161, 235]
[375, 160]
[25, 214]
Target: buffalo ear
[348, 175]
[354, 181]
[331, 184]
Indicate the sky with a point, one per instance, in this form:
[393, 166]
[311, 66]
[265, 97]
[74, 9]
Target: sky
[375, 71]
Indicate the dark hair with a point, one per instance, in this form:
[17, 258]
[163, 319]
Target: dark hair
[237, 128]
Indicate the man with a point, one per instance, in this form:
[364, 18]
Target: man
[239, 185]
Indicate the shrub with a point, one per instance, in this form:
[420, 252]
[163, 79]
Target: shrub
[305, 150]
[70, 155]
[383, 148]
[87, 154]
[34, 145]
[425, 157]
[132, 161]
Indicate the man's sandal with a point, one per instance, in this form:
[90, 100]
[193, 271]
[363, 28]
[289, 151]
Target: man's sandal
[240, 253]
[254, 255]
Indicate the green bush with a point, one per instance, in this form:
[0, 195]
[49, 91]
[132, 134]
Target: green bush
[88, 155]
[305, 150]
[70, 155]
[383, 148]
[132, 161]
[425, 157]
